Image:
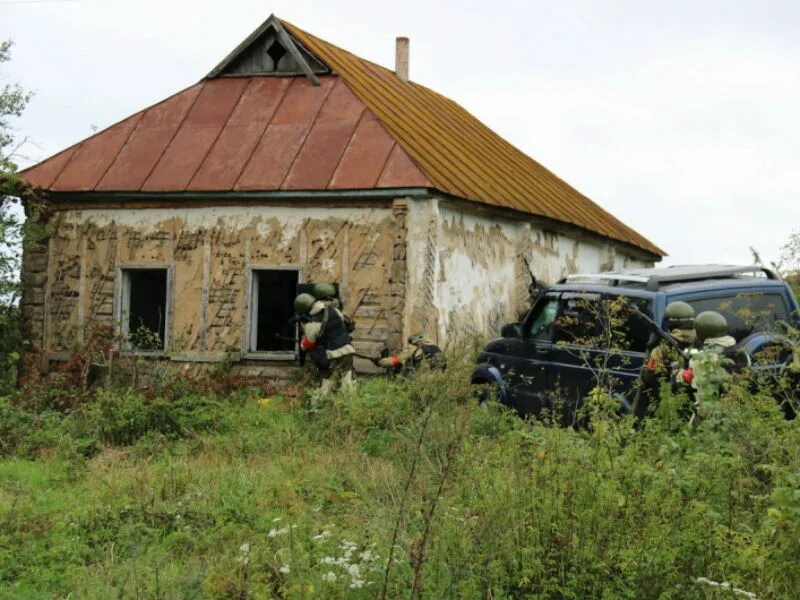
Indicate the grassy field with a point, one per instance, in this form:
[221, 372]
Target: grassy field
[399, 489]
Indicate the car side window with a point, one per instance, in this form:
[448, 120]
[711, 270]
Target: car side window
[579, 320]
[539, 326]
[747, 312]
[629, 331]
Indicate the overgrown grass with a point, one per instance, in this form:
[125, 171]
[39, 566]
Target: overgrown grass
[246, 497]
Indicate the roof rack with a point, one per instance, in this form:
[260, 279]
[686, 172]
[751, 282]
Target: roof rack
[680, 275]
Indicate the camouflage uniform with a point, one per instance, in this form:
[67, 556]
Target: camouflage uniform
[419, 349]
[663, 358]
[327, 341]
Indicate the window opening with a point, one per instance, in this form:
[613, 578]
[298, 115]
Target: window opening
[272, 308]
[144, 308]
[276, 52]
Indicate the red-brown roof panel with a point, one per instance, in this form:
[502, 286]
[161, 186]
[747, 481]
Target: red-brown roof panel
[197, 134]
[154, 132]
[273, 157]
[259, 101]
[94, 156]
[400, 171]
[364, 157]
[43, 174]
[303, 101]
[237, 141]
[216, 102]
[180, 162]
[286, 134]
[341, 104]
[317, 160]
[315, 163]
[223, 165]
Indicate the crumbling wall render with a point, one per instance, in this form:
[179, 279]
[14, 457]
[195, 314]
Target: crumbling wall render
[210, 252]
[467, 273]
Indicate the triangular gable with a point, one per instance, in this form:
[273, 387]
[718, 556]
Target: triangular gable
[270, 50]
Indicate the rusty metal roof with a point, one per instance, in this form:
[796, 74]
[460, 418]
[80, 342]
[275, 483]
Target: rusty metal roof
[360, 128]
[238, 134]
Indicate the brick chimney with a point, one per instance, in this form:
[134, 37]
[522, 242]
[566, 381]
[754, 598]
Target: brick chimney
[401, 58]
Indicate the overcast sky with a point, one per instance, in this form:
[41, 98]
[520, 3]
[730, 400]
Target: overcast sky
[682, 118]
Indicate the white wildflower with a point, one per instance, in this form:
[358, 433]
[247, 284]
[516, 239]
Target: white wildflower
[277, 520]
[354, 571]
[244, 554]
[366, 556]
[284, 569]
[277, 532]
[322, 536]
[330, 576]
[356, 584]
[725, 586]
[328, 560]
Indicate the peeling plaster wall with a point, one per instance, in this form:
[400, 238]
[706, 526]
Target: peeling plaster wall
[210, 252]
[466, 273]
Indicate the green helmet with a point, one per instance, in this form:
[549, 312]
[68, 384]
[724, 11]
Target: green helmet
[303, 303]
[416, 338]
[710, 324]
[323, 290]
[679, 315]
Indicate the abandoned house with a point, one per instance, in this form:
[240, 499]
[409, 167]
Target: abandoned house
[190, 225]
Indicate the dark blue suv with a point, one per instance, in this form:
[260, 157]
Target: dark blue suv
[556, 353]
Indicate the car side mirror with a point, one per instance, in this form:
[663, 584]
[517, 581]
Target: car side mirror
[511, 330]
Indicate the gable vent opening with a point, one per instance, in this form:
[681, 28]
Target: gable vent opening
[276, 52]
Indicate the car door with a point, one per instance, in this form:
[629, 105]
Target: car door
[576, 353]
[626, 345]
[525, 359]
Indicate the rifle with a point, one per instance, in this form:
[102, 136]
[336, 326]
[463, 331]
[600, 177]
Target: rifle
[535, 288]
[655, 328]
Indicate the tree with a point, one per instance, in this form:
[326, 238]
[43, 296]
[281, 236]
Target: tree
[13, 100]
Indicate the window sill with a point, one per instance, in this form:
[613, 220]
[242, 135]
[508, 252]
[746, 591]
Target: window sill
[281, 356]
[144, 353]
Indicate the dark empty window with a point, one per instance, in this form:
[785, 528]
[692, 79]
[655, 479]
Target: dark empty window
[144, 308]
[272, 307]
[276, 52]
[747, 313]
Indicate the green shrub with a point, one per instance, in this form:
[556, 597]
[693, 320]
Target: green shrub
[121, 417]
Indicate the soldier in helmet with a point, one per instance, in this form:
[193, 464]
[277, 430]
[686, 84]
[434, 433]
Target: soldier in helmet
[325, 339]
[712, 339]
[712, 331]
[664, 359]
[705, 373]
[326, 292]
[420, 349]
